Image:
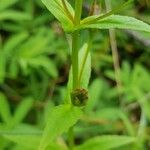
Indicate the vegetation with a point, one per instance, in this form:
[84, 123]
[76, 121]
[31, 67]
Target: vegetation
[79, 83]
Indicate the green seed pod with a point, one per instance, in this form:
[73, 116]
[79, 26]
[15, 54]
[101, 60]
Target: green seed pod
[79, 97]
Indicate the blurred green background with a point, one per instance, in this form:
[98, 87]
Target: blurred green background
[34, 68]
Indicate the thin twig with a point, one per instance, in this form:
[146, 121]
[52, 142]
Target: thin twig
[115, 54]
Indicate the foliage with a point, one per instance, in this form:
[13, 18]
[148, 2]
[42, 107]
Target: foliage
[39, 57]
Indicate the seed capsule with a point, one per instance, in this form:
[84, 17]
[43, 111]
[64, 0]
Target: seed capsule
[79, 97]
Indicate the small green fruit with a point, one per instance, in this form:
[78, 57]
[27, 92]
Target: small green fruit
[79, 97]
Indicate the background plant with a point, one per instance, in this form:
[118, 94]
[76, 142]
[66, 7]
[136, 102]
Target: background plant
[32, 60]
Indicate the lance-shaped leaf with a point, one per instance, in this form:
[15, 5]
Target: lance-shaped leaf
[61, 118]
[14, 15]
[84, 65]
[5, 113]
[62, 10]
[114, 21]
[28, 140]
[106, 142]
[22, 110]
[6, 3]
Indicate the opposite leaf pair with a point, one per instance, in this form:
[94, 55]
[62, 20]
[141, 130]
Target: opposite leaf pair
[63, 11]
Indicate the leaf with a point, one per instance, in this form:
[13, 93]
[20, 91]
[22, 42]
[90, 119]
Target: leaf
[46, 63]
[22, 110]
[57, 9]
[18, 147]
[94, 94]
[2, 66]
[8, 48]
[53, 146]
[6, 3]
[86, 73]
[106, 142]
[28, 141]
[60, 120]
[14, 41]
[13, 69]
[115, 21]
[14, 15]
[34, 46]
[146, 108]
[109, 13]
[5, 113]
[11, 26]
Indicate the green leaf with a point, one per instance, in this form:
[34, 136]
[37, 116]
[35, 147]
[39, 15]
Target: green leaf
[6, 3]
[111, 12]
[14, 15]
[146, 108]
[56, 7]
[7, 52]
[13, 69]
[34, 46]
[24, 136]
[61, 118]
[115, 21]
[29, 141]
[22, 110]
[2, 66]
[53, 146]
[106, 142]
[14, 41]
[4, 109]
[94, 94]
[44, 62]
[85, 64]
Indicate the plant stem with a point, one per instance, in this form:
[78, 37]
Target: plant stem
[78, 11]
[115, 55]
[75, 44]
[75, 60]
[71, 138]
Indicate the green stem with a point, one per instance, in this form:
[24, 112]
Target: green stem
[71, 138]
[75, 44]
[78, 11]
[75, 60]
